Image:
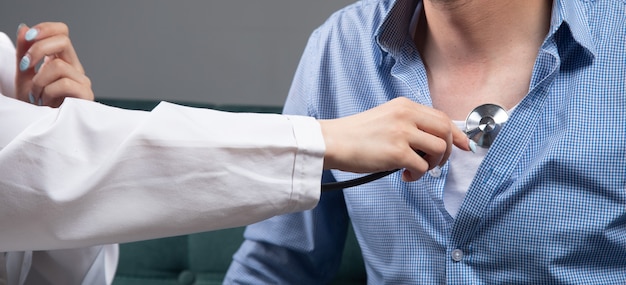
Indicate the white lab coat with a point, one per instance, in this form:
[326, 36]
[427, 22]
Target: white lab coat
[86, 174]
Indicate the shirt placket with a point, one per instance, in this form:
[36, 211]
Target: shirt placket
[496, 170]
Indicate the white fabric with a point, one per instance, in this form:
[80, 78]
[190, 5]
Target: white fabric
[87, 174]
[71, 266]
[462, 167]
[7, 66]
[17, 266]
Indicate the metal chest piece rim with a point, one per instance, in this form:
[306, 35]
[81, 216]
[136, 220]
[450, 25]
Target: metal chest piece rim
[483, 124]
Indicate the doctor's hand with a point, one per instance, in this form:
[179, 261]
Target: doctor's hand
[60, 73]
[389, 137]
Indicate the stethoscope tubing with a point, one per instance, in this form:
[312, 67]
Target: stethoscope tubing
[330, 186]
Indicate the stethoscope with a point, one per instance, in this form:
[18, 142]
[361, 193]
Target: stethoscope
[482, 125]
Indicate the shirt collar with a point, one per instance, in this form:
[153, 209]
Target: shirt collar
[574, 14]
[394, 30]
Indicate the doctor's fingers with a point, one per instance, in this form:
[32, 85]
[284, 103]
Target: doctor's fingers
[54, 69]
[58, 46]
[419, 153]
[54, 94]
[436, 136]
[56, 80]
[48, 38]
[435, 131]
[21, 43]
[433, 149]
[414, 164]
[438, 124]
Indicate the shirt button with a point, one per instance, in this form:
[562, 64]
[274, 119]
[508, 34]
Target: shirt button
[435, 172]
[457, 255]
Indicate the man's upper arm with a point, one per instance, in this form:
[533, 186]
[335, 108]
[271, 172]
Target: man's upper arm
[304, 247]
[298, 248]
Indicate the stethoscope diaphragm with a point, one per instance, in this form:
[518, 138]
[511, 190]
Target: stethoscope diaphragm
[484, 123]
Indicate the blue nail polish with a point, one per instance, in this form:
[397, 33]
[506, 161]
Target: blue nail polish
[40, 102]
[24, 63]
[472, 146]
[19, 27]
[31, 34]
[31, 98]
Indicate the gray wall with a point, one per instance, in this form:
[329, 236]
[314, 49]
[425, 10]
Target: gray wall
[224, 52]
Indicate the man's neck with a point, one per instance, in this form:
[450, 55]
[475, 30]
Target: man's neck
[480, 30]
[480, 51]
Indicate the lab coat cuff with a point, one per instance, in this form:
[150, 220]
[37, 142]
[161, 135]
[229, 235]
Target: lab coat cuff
[308, 162]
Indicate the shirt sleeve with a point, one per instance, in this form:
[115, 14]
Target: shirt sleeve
[87, 174]
[303, 247]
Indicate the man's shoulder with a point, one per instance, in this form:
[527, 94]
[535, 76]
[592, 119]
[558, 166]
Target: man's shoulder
[359, 13]
[598, 15]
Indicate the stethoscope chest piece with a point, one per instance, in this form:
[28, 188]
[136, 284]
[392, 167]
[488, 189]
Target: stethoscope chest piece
[484, 123]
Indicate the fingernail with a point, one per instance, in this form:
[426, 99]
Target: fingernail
[25, 62]
[472, 146]
[40, 102]
[31, 34]
[31, 98]
[19, 27]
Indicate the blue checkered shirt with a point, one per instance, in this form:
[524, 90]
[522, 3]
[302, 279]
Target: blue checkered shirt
[547, 204]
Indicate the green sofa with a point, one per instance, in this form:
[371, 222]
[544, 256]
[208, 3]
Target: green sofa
[203, 258]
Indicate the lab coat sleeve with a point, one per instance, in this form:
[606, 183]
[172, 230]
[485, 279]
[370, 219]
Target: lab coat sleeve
[7, 66]
[87, 174]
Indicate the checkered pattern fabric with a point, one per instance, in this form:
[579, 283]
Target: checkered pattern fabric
[547, 204]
